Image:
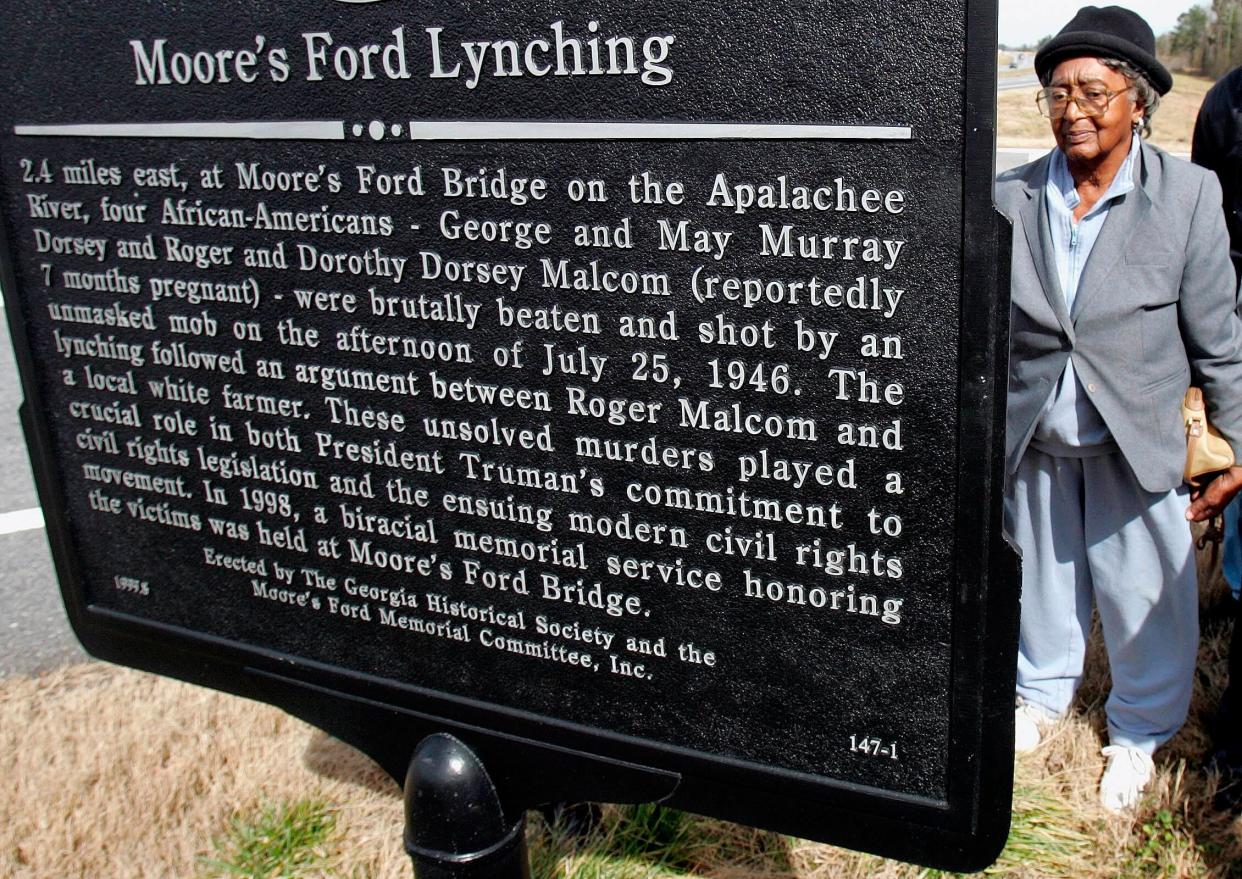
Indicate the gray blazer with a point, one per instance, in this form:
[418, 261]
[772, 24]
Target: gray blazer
[1155, 311]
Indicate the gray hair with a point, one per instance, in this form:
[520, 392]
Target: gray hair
[1145, 92]
[1147, 95]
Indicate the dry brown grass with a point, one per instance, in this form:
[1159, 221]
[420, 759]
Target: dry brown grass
[1018, 123]
[114, 773]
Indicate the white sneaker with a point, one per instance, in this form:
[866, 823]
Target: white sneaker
[1028, 727]
[1125, 777]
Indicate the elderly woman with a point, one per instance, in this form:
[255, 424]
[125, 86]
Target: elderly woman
[1122, 296]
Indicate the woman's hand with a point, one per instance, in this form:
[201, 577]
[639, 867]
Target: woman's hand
[1208, 503]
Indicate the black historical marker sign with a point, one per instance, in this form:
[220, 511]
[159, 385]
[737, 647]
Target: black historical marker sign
[617, 386]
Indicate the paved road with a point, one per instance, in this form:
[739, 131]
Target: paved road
[34, 634]
[1010, 83]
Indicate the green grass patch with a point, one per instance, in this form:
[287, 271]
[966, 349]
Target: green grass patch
[1046, 830]
[1162, 847]
[275, 842]
[653, 842]
[1045, 834]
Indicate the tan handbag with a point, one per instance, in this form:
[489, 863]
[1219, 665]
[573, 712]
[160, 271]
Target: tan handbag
[1206, 450]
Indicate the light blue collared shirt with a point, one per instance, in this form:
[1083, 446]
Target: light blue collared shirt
[1070, 423]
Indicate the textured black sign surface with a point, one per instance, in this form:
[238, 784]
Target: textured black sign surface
[621, 378]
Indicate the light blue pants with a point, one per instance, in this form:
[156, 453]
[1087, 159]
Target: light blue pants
[1086, 527]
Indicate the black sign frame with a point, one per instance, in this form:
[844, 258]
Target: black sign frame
[538, 759]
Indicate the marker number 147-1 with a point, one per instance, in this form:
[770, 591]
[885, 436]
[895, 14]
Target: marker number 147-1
[873, 747]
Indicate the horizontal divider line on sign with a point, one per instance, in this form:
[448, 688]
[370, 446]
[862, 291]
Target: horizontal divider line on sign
[306, 130]
[470, 129]
[524, 129]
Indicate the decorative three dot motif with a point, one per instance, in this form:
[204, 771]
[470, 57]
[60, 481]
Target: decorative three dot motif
[377, 130]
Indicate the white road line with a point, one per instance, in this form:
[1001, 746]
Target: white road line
[21, 520]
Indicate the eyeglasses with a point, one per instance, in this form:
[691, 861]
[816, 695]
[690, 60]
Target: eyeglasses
[1093, 102]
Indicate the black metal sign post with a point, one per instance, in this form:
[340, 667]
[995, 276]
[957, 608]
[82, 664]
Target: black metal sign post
[616, 392]
[455, 825]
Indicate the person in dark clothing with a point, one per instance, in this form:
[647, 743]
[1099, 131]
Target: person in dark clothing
[1217, 146]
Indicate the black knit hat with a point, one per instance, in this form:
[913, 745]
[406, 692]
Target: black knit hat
[1107, 32]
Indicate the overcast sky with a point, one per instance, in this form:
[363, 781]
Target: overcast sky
[1025, 21]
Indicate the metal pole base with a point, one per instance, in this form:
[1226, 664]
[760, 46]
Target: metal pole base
[455, 827]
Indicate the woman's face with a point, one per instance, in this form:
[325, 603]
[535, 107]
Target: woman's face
[1085, 138]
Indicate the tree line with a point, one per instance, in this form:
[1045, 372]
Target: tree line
[1206, 38]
